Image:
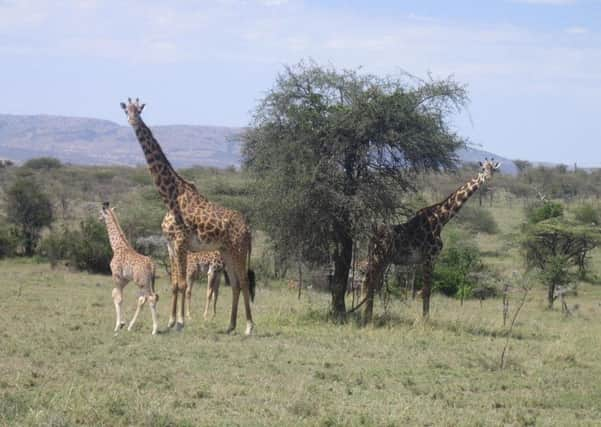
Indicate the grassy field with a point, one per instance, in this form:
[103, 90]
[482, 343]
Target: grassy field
[61, 364]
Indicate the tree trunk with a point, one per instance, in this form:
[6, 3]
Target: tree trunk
[342, 265]
[551, 295]
[300, 279]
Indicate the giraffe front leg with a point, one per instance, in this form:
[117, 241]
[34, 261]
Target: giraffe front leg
[174, 273]
[427, 289]
[189, 282]
[117, 295]
[152, 302]
[181, 286]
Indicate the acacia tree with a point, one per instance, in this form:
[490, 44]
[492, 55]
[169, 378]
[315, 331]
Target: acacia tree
[555, 247]
[332, 153]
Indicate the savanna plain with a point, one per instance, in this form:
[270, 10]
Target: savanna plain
[61, 364]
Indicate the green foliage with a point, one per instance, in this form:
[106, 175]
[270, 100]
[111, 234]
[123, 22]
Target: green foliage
[556, 247]
[29, 209]
[453, 272]
[547, 210]
[477, 219]
[332, 151]
[8, 241]
[85, 248]
[587, 214]
[43, 163]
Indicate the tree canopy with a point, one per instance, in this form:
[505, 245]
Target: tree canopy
[332, 153]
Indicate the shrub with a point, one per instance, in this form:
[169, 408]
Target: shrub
[587, 214]
[90, 249]
[547, 210]
[478, 219]
[43, 163]
[29, 209]
[8, 241]
[86, 248]
[453, 271]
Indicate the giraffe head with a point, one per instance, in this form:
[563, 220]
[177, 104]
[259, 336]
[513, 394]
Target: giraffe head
[104, 212]
[133, 110]
[488, 168]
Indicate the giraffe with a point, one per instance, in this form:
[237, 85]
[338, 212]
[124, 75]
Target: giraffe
[193, 223]
[418, 241]
[127, 265]
[209, 263]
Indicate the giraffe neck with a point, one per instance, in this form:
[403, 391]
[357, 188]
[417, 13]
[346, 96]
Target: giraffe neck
[116, 235]
[165, 177]
[448, 208]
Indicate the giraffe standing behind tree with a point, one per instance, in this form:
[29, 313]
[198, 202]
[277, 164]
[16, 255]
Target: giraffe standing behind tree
[417, 241]
[193, 223]
[127, 265]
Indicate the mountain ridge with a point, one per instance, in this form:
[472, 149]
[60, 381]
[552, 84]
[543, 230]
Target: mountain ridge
[91, 141]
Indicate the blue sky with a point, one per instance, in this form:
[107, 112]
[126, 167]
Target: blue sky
[532, 67]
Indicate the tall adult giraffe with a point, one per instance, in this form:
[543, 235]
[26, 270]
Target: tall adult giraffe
[193, 223]
[417, 241]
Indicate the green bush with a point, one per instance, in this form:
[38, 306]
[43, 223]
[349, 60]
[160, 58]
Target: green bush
[8, 241]
[586, 214]
[547, 210]
[477, 219]
[86, 248]
[43, 163]
[453, 271]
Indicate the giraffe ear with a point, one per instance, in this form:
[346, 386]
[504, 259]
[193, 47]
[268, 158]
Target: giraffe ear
[480, 163]
[497, 165]
[124, 107]
[142, 107]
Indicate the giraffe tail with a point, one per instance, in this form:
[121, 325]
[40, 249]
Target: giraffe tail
[152, 280]
[252, 282]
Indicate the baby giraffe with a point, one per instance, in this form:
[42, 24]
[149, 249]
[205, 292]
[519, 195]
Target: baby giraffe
[210, 263]
[128, 265]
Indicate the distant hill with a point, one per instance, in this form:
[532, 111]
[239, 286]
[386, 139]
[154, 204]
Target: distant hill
[102, 142]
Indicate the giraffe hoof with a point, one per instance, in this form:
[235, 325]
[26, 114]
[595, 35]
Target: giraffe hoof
[121, 325]
[230, 329]
[249, 329]
[171, 324]
[179, 326]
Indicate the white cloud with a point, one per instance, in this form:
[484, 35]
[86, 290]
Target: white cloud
[576, 30]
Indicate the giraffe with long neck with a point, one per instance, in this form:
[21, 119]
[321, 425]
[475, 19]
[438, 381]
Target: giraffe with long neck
[418, 241]
[128, 265]
[193, 223]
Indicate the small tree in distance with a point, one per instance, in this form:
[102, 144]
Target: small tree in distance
[332, 152]
[29, 209]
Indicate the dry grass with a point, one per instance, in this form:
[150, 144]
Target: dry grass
[62, 365]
